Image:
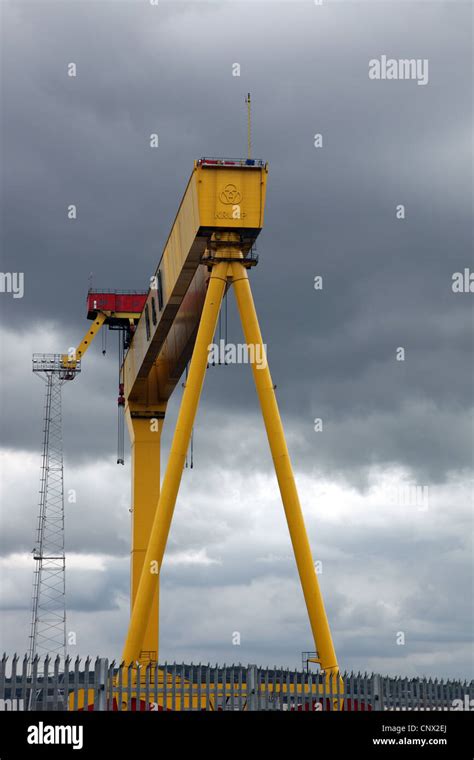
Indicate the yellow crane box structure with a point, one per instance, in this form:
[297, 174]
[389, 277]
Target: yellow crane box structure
[220, 195]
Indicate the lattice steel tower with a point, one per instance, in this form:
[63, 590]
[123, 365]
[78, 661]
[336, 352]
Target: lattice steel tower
[48, 620]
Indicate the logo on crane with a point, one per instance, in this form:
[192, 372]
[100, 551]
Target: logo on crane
[230, 195]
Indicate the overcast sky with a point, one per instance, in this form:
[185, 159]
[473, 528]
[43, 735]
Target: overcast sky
[388, 566]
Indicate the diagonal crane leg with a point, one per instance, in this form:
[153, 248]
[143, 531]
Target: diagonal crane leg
[174, 470]
[281, 460]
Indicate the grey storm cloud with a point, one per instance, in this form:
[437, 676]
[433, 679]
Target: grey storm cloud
[332, 352]
[330, 212]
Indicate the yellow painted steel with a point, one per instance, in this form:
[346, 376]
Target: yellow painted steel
[284, 472]
[216, 198]
[175, 352]
[174, 470]
[203, 233]
[145, 422]
[145, 436]
[236, 272]
[71, 361]
[231, 198]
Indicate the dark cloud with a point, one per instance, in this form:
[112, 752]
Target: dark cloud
[330, 212]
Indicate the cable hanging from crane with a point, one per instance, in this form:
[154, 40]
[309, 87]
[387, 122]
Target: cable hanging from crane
[121, 402]
[222, 328]
[225, 322]
[191, 445]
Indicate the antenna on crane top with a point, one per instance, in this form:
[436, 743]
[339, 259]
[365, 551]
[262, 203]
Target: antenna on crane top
[249, 125]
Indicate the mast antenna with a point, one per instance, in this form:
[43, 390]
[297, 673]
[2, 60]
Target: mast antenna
[249, 125]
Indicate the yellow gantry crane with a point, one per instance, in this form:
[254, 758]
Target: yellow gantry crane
[209, 250]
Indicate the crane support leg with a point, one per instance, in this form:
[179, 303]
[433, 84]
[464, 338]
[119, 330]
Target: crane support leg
[174, 470]
[284, 472]
[145, 436]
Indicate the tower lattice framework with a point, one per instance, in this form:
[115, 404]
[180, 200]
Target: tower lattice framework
[48, 619]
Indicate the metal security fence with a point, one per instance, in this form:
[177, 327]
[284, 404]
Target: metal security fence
[99, 685]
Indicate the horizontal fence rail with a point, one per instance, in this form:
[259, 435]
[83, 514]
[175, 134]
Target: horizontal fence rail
[77, 684]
